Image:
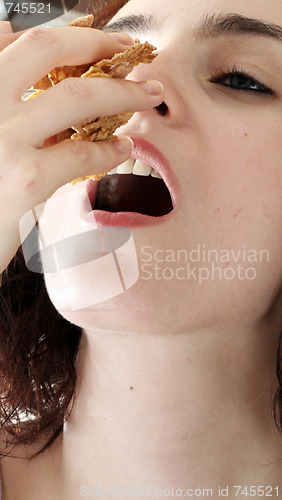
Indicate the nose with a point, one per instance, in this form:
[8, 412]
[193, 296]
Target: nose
[164, 69]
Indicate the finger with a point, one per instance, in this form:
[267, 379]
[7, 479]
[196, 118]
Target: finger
[39, 50]
[5, 28]
[6, 34]
[71, 159]
[80, 99]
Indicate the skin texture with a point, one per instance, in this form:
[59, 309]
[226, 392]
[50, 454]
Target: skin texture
[176, 377]
[29, 171]
[229, 172]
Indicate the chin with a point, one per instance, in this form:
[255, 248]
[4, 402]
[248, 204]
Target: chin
[133, 311]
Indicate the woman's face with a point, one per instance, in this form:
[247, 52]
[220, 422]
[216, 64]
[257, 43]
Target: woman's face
[217, 257]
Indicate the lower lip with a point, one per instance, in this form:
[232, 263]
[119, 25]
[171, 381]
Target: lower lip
[122, 219]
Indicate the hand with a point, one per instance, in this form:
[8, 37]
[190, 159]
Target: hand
[29, 172]
[6, 34]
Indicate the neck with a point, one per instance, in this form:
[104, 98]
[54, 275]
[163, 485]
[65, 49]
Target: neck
[176, 410]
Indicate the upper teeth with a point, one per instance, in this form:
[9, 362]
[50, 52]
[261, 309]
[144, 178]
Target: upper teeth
[126, 167]
[141, 168]
[136, 167]
[107, 187]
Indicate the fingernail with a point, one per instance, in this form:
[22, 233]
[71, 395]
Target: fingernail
[152, 87]
[123, 38]
[123, 145]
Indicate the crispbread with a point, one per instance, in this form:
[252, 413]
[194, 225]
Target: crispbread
[119, 66]
[83, 22]
[95, 177]
[46, 82]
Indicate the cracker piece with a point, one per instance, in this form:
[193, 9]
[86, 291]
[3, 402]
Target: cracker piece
[62, 72]
[93, 72]
[34, 94]
[57, 74]
[83, 22]
[62, 136]
[101, 128]
[43, 84]
[119, 66]
[95, 177]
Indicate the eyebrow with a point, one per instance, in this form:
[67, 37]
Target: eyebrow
[213, 26]
[210, 26]
[133, 24]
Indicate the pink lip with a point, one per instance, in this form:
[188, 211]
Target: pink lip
[147, 152]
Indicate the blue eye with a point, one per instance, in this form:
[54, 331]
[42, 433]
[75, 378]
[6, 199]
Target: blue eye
[240, 80]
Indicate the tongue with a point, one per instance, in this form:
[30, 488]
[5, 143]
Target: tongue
[145, 195]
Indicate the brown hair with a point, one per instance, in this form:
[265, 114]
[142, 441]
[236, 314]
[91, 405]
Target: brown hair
[38, 347]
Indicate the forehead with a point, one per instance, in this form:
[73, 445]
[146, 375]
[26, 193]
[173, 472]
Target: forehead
[183, 13]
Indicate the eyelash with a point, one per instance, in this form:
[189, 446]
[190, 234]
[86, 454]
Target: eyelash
[221, 75]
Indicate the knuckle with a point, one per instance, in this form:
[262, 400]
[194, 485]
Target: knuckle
[20, 167]
[76, 88]
[80, 149]
[27, 175]
[111, 156]
[41, 36]
[137, 93]
[134, 94]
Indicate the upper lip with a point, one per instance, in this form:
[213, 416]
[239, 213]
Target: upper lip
[145, 151]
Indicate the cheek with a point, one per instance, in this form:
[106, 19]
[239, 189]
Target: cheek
[242, 170]
[235, 200]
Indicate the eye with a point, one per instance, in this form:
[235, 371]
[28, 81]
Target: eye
[240, 80]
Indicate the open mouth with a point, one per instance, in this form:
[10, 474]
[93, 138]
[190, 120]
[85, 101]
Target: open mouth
[133, 186]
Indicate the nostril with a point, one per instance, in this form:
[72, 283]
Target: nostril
[162, 108]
